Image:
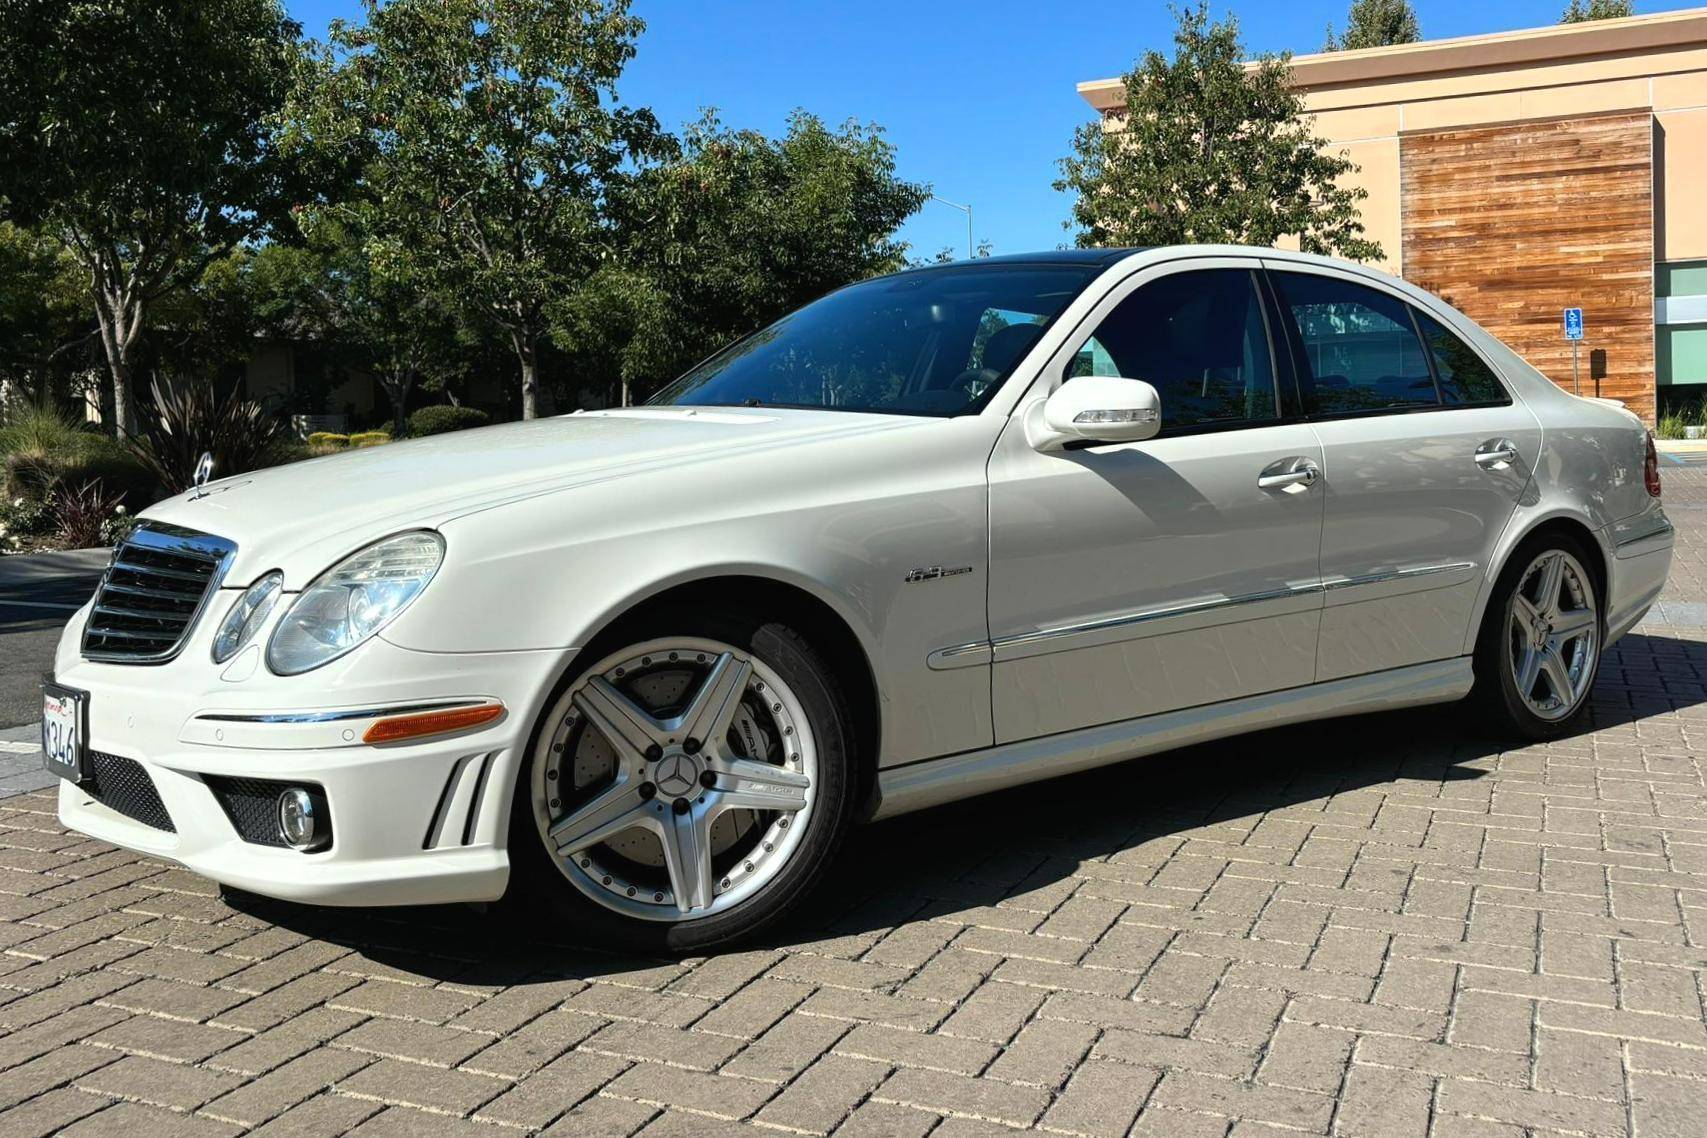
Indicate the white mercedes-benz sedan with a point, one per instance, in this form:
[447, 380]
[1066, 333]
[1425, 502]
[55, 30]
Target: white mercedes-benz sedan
[936, 534]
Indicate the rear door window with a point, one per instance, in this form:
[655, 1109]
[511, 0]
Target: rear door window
[1361, 350]
[1466, 380]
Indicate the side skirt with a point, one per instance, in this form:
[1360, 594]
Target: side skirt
[932, 782]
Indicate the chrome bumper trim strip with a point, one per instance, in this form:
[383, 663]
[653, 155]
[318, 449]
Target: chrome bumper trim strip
[336, 716]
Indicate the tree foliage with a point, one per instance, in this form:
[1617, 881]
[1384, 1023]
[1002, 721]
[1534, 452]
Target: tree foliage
[135, 132]
[734, 232]
[345, 291]
[1208, 150]
[1376, 23]
[483, 138]
[45, 326]
[1579, 13]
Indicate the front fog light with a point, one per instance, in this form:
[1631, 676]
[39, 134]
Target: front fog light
[300, 824]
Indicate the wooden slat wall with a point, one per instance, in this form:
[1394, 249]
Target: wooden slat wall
[1511, 224]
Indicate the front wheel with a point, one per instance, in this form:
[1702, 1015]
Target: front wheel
[1539, 649]
[688, 785]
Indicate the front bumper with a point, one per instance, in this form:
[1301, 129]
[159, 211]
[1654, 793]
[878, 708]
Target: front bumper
[412, 823]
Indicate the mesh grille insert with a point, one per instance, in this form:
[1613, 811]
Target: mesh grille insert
[252, 804]
[149, 598]
[121, 784]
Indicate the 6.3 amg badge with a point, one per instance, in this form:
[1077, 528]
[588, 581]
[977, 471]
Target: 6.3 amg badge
[934, 572]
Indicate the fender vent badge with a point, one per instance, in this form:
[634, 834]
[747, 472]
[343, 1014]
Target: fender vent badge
[934, 572]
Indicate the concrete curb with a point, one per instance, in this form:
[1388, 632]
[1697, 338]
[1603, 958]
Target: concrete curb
[20, 768]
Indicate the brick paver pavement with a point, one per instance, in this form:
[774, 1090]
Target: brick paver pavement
[1384, 926]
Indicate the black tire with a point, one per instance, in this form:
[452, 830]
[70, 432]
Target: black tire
[536, 879]
[1496, 691]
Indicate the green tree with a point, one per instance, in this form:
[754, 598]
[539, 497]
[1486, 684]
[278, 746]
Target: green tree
[1376, 23]
[1211, 150]
[484, 138]
[45, 329]
[1580, 13]
[357, 296]
[134, 132]
[736, 231]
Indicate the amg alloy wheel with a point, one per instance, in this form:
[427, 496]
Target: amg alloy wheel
[1553, 634]
[691, 784]
[1539, 649]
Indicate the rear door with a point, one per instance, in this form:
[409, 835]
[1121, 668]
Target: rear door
[1425, 455]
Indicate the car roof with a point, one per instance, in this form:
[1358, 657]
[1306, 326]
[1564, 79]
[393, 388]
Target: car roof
[1095, 258]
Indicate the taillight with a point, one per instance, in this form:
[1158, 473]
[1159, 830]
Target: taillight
[1651, 469]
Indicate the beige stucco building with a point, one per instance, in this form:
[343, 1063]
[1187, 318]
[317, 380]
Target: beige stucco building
[1523, 172]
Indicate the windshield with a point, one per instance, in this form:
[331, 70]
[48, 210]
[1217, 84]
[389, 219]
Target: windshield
[929, 342]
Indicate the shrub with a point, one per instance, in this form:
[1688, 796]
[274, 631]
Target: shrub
[41, 431]
[370, 438]
[24, 522]
[82, 513]
[44, 452]
[110, 465]
[441, 419]
[191, 420]
[328, 439]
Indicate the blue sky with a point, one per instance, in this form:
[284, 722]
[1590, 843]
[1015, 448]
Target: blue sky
[978, 97]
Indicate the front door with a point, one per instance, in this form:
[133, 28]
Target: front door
[1425, 455]
[1136, 578]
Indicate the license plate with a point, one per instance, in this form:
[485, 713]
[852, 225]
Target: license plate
[65, 731]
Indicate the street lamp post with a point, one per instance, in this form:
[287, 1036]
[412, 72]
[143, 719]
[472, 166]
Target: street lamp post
[967, 210]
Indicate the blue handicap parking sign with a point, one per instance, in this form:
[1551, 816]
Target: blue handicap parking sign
[1573, 323]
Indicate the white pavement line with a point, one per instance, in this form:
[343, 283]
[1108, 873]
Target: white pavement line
[10, 748]
[40, 605]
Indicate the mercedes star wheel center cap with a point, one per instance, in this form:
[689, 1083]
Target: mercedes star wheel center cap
[676, 775]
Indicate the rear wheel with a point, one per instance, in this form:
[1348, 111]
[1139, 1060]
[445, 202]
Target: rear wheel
[1539, 650]
[688, 784]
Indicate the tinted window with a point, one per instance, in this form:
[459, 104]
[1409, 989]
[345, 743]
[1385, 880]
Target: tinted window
[1199, 338]
[1464, 376]
[931, 342]
[1361, 351]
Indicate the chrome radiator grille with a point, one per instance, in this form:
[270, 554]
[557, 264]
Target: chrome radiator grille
[161, 578]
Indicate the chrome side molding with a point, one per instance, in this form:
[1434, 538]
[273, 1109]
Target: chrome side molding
[1045, 640]
[932, 782]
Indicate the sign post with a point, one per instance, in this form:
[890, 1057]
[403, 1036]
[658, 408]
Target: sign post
[1574, 333]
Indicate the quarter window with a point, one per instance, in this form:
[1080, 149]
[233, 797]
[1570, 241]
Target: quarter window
[1361, 351]
[1465, 378]
[1199, 338]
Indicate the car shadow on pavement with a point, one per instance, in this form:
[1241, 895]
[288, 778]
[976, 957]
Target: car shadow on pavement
[952, 858]
[1126, 820]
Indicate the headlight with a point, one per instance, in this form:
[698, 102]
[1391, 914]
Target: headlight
[247, 616]
[354, 599]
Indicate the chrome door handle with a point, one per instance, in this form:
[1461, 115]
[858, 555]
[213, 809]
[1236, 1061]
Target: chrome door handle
[1496, 453]
[1288, 472]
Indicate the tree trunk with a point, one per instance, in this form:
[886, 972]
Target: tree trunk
[124, 406]
[118, 311]
[527, 351]
[397, 387]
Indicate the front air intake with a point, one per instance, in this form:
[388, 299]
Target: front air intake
[160, 579]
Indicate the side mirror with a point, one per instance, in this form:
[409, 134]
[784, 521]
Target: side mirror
[1095, 408]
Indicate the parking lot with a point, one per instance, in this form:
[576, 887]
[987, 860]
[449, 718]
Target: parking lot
[1386, 926]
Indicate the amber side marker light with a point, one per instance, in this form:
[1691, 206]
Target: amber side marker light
[418, 726]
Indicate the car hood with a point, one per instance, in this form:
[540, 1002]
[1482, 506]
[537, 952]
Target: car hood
[303, 516]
